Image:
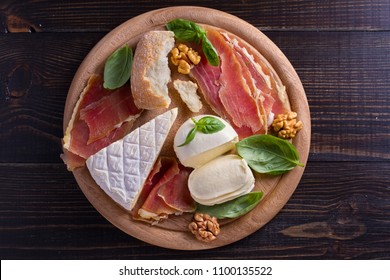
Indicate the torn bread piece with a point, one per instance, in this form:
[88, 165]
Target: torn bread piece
[122, 168]
[188, 93]
[150, 70]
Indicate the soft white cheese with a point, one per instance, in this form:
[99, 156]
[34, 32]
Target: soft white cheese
[204, 147]
[229, 196]
[121, 168]
[222, 179]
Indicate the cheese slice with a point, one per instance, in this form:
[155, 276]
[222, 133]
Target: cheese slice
[221, 179]
[204, 147]
[121, 168]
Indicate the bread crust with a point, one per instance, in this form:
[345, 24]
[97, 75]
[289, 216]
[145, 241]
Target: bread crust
[150, 70]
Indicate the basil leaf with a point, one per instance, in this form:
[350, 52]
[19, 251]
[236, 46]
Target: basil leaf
[210, 52]
[268, 154]
[186, 30]
[189, 31]
[117, 68]
[209, 125]
[190, 137]
[233, 208]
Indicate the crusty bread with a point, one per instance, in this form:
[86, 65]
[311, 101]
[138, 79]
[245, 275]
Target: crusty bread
[187, 91]
[150, 71]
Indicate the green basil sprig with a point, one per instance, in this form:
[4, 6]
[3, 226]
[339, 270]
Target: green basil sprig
[117, 69]
[268, 154]
[189, 31]
[233, 208]
[186, 30]
[207, 125]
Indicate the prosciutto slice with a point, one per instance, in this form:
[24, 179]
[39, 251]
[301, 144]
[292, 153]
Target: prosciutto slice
[208, 78]
[81, 140]
[244, 89]
[235, 94]
[267, 81]
[154, 208]
[153, 178]
[109, 112]
[164, 170]
[165, 192]
[176, 194]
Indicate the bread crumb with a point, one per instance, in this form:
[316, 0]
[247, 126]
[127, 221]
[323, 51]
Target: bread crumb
[188, 93]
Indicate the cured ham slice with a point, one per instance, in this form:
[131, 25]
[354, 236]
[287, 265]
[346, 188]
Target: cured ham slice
[176, 194]
[77, 139]
[271, 88]
[164, 169]
[208, 77]
[79, 145]
[73, 161]
[154, 208]
[108, 112]
[153, 178]
[235, 93]
[165, 192]
[244, 89]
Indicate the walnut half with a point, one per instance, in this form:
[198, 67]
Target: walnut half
[183, 57]
[204, 227]
[286, 125]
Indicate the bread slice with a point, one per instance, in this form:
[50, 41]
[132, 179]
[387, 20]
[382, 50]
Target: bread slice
[150, 71]
[187, 91]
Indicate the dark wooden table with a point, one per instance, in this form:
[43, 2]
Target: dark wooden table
[341, 208]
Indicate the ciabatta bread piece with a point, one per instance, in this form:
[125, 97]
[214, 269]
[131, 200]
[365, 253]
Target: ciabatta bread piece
[150, 72]
[187, 91]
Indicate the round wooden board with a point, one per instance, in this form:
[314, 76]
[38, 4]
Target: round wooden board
[173, 233]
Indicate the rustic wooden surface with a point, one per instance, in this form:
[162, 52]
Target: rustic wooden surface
[341, 208]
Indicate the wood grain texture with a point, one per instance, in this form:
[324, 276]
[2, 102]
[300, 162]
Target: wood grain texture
[33, 87]
[348, 102]
[340, 209]
[346, 78]
[82, 16]
[346, 218]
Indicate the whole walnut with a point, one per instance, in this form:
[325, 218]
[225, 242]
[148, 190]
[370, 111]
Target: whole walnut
[204, 227]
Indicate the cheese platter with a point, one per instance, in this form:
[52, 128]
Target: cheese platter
[164, 119]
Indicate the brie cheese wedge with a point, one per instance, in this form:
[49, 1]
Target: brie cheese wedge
[122, 168]
[220, 180]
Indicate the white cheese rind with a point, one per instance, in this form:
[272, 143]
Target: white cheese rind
[220, 180]
[204, 147]
[121, 168]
